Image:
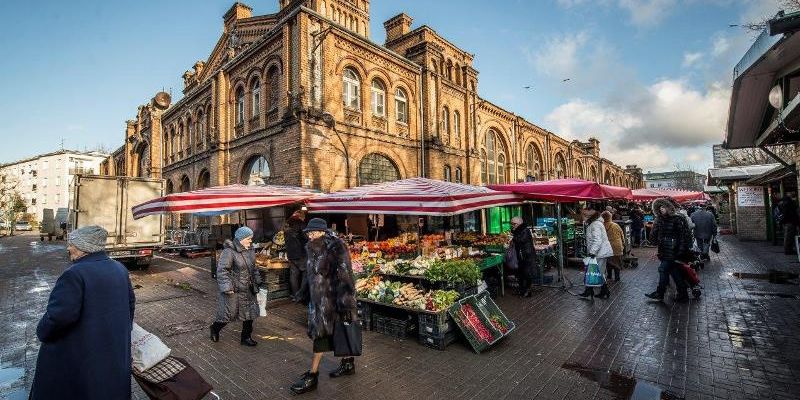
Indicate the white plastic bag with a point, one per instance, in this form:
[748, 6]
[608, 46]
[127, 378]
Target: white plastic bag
[147, 349]
[262, 302]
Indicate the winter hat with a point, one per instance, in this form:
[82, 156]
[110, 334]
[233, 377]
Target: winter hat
[89, 239]
[243, 233]
[316, 224]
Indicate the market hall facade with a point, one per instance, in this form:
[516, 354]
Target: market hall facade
[303, 97]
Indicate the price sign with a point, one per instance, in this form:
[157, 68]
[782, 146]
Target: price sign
[750, 196]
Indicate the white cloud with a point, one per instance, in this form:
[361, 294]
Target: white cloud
[691, 59]
[694, 157]
[720, 46]
[641, 127]
[560, 55]
[647, 13]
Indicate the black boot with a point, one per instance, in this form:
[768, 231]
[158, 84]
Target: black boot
[604, 292]
[657, 295]
[215, 328]
[247, 331]
[307, 383]
[588, 292]
[616, 274]
[347, 367]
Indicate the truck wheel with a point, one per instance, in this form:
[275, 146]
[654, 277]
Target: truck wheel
[41, 238]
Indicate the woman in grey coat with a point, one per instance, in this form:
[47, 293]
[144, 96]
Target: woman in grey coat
[238, 280]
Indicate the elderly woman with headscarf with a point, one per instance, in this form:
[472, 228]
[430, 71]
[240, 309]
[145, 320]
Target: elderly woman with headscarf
[238, 281]
[617, 239]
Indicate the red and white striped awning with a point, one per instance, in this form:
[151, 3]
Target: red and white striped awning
[221, 199]
[413, 196]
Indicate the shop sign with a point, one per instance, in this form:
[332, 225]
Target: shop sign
[750, 196]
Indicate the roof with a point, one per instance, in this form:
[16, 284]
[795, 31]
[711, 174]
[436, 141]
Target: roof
[739, 173]
[774, 175]
[714, 189]
[754, 76]
[668, 175]
[56, 153]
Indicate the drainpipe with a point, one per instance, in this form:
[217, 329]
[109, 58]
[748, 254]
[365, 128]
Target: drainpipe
[421, 122]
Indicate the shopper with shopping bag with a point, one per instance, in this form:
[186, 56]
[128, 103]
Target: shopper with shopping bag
[598, 250]
[672, 235]
[238, 281]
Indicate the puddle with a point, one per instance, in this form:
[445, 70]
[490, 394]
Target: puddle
[624, 387]
[773, 276]
[9, 376]
[39, 289]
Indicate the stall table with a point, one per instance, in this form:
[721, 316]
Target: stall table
[275, 276]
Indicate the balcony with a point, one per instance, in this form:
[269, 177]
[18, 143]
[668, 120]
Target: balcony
[81, 171]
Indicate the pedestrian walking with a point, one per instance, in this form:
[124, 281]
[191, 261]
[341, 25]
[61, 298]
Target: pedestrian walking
[86, 330]
[789, 218]
[597, 246]
[332, 299]
[238, 281]
[526, 254]
[637, 225]
[705, 228]
[616, 237]
[296, 253]
[672, 236]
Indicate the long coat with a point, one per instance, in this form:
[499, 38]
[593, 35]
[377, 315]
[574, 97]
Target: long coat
[331, 285]
[616, 237]
[235, 269]
[705, 225]
[597, 240]
[523, 245]
[671, 233]
[86, 333]
[295, 240]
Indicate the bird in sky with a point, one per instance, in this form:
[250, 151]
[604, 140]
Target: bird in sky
[527, 87]
[564, 80]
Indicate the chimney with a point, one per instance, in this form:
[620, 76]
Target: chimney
[397, 26]
[236, 12]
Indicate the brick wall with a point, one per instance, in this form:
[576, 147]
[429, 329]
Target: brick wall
[751, 222]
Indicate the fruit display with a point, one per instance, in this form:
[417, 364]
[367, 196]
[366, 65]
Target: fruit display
[499, 323]
[469, 318]
[481, 240]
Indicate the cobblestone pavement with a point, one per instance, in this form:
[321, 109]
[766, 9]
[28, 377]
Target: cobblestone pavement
[740, 340]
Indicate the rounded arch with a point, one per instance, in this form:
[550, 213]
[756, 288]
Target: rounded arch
[534, 162]
[376, 168]
[593, 174]
[494, 157]
[560, 166]
[607, 177]
[253, 74]
[203, 179]
[170, 187]
[186, 184]
[377, 87]
[580, 171]
[256, 171]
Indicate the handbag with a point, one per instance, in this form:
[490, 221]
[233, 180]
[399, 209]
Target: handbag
[347, 339]
[593, 276]
[510, 258]
[714, 245]
[186, 384]
[147, 349]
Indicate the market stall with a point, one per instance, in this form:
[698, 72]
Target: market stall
[407, 284]
[559, 191]
[221, 200]
[650, 194]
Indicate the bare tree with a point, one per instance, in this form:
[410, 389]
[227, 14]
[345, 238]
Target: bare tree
[12, 204]
[788, 6]
[687, 178]
[757, 156]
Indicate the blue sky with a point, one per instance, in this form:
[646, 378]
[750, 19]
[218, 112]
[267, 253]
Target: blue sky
[649, 78]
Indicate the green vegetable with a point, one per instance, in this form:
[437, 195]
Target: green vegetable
[455, 272]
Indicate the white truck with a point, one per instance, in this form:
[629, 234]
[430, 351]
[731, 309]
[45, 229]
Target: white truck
[107, 201]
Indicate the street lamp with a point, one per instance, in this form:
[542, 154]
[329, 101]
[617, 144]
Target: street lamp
[330, 122]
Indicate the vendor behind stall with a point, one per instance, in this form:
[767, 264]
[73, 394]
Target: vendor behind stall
[296, 253]
[526, 254]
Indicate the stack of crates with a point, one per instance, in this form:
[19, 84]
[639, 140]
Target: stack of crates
[277, 282]
[436, 330]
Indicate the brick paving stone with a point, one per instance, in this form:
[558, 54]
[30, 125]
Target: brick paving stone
[739, 341]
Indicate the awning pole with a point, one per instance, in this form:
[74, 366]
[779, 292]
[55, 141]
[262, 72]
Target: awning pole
[560, 244]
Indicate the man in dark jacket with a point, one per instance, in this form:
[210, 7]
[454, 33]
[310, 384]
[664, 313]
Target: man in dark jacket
[526, 254]
[86, 330]
[672, 236]
[332, 299]
[637, 225]
[705, 228]
[296, 253]
[790, 220]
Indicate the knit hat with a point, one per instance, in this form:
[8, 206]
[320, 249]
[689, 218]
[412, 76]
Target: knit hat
[89, 239]
[316, 224]
[243, 233]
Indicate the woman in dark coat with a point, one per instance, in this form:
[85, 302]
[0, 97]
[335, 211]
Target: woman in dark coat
[86, 331]
[526, 254]
[238, 281]
[332, 298]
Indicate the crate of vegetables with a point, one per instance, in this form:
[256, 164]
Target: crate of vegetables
[481, 321]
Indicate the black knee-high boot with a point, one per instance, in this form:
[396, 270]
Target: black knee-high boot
[247, 331]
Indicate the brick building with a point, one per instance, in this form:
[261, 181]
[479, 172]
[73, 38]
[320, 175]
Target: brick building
[304, 97]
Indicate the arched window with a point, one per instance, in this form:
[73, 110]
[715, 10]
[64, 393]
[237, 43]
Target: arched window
[190, 132]
[351, 89]
[204, 180]
[607, 178]
[256, 172]
[240, 106]
[593, 174]
[378, 98]
[200, 131]
[170, 187]
[459, 178]
[255, 89]
[143, 169]
[185, 186]
[495, 159]
[274, 81]
[561, 167]
[579, 172]
[484, 167]
[534, 162]
[457, 128]
[448, 175]
[446, 125]
[449, 70]
[375, 168]
[182, 137]
[401, 105]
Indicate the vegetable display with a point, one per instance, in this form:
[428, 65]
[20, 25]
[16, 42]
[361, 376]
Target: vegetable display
[499, 324]
[471, 319]
[456, 272]
[406, 295]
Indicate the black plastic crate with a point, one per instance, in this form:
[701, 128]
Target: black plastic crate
[280, 294]
[401, 328]
[365, 315]
[435, 324]
[438, 342]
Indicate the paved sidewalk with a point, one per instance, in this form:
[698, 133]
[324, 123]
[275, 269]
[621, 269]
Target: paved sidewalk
[740, 340]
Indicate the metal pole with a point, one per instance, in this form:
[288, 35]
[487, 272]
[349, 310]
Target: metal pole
[560, 244]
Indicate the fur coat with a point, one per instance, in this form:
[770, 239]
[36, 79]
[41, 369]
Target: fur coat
[671, 232]
[331, 285]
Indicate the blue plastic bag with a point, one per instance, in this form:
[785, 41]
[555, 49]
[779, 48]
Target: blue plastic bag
[594, 277]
